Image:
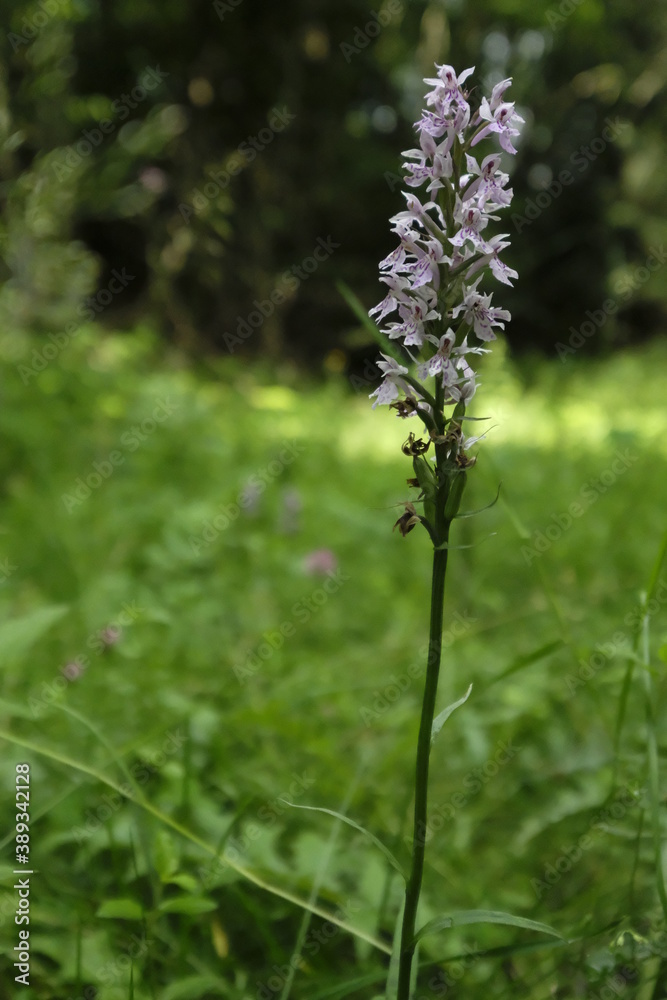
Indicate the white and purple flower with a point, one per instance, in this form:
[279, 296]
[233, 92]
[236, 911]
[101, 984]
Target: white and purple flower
[433, 275]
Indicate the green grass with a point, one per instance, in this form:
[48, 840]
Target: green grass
[205, 737]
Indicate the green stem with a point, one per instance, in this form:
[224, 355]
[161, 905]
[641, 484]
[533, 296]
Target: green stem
[653, 760]
[627, 681]
[414, 884]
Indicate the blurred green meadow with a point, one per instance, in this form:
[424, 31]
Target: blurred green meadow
[207, 621]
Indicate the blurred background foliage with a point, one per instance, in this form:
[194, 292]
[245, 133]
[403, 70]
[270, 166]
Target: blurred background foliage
[79, 202]
[138, 596]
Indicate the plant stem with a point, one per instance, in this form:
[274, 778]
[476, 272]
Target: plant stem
[414, 884]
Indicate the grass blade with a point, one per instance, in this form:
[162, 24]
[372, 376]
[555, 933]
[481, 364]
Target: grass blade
[632, 659]
[441, 719]
[355, 826]
[392, 976]
[528, 659]
[241, 870]
[459, 918]
[387, 346]
[307, 916]
[653, 760]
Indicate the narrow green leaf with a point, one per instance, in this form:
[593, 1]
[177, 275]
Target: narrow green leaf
[391, 990]
[188, 904]
[387, 346]
[527, 659]
[414, 972]
[121, 909]
[480, 510]
[350, 822]
[657, 568]
[473, 545]
[442, 717]
[653, 761]
[627, 680]
[325, 861]
[508, 950]
[458, 918]
[165, 857]
[425, 474]
[183, 881]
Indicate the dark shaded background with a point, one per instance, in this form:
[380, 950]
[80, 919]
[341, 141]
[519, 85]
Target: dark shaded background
[201, 253]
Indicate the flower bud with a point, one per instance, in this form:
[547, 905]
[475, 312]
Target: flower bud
[457, 484]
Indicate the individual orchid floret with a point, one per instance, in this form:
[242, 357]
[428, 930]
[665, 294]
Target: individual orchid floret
[479, 313]
[440, 363]
[427, 268]
[398, 292]
[449, 100]
[465, 387]
[472, 220]
[499, 270]
[392, 384]
[416, 212]
[413, 317]
[427, 151]
[394, 260]
[448, 82]
[502, 120]
[497, 93]
[442, 168]
[441, 164]
[409, 244]
[445, 121]
[417, 174]
[486, 182]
